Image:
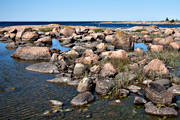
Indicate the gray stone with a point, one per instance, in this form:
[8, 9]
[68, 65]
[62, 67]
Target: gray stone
[163, 82]
[60, 80]
[85, 84]
[11, 45]
[55, 103]
[79, 69]
[123, 92]
[164, 111]
[139, 100]
[82, 99]
[44, 67]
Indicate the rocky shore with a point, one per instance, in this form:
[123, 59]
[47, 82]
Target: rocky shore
[111, 62]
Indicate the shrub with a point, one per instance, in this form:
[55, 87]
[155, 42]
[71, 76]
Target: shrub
[45, 29]
[99, 30]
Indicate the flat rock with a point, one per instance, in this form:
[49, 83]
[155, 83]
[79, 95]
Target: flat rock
[44, 67]
[164, 111]
[82, 99]
[139, 100]
[60, 80]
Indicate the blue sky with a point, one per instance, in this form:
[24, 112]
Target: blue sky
[88, 10]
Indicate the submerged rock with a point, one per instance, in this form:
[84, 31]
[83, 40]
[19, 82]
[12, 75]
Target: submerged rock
[60, 80]
[44, 67]
[164, 111]
[82, 99]
[32, 53]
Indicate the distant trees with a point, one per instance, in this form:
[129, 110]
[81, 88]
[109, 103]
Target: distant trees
[167, 20]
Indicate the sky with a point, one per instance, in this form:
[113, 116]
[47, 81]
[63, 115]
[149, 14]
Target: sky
[89, 10]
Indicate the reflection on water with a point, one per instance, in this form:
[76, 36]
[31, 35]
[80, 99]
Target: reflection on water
[24, 95]
[56, 44]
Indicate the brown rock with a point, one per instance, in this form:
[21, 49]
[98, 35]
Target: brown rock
[109, 38]
[95, 69]
[108, 70]
[45, 40]
[67, 31]
[120, 54]
[85, 84]
[101, 47]
[157, 67]
[108, 32]
[164, 41]
[156, 48]
[32, 53]
[175, 45]
[168, 31]
[29, 36]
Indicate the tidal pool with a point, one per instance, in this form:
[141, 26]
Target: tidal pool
[24, 95]
[56, 44]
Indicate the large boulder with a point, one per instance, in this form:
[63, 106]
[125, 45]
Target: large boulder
[120, 54]
[156, 48]
[82, 99]
[46, 40]
[122, 40]
[67, 31]
[108, 70]
[164, 111]
[20, 32]
[79, 69]
[169, 32]
[30, 36]
[163, 41]
[44, 67]
[156, 66]
[32, 53]
[85, 84]
[103, 87]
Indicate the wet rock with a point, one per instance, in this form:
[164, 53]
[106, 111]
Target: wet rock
[163, 82]
[82, 99]
[164, 111]
[120, 54]
[103, 87]
[60, 80]
[32, 53]
[108, 70]
[139, 100]
[134, 88]
[55, 103]
[123, 92]
[122, 41]
[85, 84]
[11, 45]
[156, 48]
[175, 90]
[158, 94]
[30, 36]
[46, 40]
[175, 45]
[44, 67]
[79, 69]
[156, 66]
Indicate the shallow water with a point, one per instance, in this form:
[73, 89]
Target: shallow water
[24, 95]
[56, 44]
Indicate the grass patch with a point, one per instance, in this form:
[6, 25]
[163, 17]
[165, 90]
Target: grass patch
[45, 29]
[140, 30]
[99, 30]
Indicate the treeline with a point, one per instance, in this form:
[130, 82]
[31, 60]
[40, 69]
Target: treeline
[171, 20]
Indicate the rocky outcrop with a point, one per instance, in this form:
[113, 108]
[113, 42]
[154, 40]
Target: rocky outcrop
[82, 99]
[32, 53]
[43, 67]
[30, 36]
[46, 40]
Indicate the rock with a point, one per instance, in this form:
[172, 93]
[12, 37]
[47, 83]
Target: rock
[85, 84]
[177, 34]
[146, 82]
[82, 99]
[108, 32]
[133, 66]
[79, 69]
[20, 32]
[115, 102]
[156, 48]
[109, 38]
[158, 94]
[169, 32]
[108, 70]
[175, 45]
[89, 57]
[139, 100]
[175, 90]
[60, 80]
[11, 45]
[73, 83]
[163, 82]
[101, 47]
[124, 78]
[44, 67]
[67, 31]
[95, 69]
[88, 38]
[32, 53]
[163, 41]
[54, 57]
[164, 111]
[120, 54]
[122, 40]
[157, 67]
[99, 35]
[103, 87]
[30, 36]
[123, 92]
[72, 54]
[46, 40]
[55, 103]
[134, 88]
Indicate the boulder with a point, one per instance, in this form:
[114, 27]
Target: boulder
[32, 53]
[175, 45]
[163, 82]
[169, 32]
[11, 45]
[95, 69]
[89, 57]
[101, 47]
[85, 84]
[46, 40]
[103, 87]
[156, 66]
[44, 67]
[108, 32]
[108, 70]
[109, 38]
[163, 41]
[21, 31]
[54, 57]
[156, 48]
[30, 36]
[164, 111]
[79, 69]
[82, 99]
[67, 31]
[123, 92]
[120, 54]
[139, 100]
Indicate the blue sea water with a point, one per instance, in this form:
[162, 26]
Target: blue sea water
[56, 44]
[88, 23]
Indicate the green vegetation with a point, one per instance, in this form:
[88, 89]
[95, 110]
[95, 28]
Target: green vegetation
[140, 30]
[99, 30]
[45, 29]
